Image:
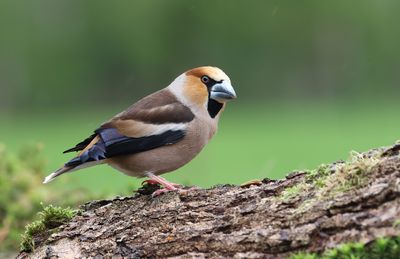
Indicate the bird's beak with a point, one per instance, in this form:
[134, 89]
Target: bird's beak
[222, 92]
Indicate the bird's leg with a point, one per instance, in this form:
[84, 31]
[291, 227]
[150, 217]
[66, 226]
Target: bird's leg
[168, 186]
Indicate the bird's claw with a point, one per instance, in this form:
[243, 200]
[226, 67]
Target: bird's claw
[153, 182]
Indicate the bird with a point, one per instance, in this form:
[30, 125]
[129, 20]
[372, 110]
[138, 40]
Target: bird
[161, 132]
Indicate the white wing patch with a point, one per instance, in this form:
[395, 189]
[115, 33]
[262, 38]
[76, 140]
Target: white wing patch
[154, 129]
[137, 129]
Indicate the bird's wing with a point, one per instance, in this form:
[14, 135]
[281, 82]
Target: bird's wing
[155, 121]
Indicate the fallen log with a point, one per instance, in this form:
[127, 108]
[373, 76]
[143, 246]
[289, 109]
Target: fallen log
[312, 211]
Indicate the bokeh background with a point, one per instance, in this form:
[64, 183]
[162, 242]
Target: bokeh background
[315, 80]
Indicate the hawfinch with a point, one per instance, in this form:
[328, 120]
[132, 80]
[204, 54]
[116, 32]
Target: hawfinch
[161, 132]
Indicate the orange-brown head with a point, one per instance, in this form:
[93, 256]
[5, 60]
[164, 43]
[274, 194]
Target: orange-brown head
[204, 87]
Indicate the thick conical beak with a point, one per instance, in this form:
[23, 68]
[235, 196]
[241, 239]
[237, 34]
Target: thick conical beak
[222, 92]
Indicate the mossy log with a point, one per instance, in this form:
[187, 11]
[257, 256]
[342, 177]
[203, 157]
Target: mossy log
[354, 201]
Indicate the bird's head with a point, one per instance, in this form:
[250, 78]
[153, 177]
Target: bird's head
[206, 86]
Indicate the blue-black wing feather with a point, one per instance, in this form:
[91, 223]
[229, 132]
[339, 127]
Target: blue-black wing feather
[112, 143]
[81, 145]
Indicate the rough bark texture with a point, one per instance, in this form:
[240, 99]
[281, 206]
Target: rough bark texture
[270, 220]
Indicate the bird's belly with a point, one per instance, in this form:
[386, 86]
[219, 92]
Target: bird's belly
[160, 160]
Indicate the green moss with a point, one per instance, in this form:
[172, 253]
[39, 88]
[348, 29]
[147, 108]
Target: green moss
[328, 181]
[388, 248]
[292, 191]
[321, 171]
[22, 192]
[341, 177]
[304, 256]
[31, 230]
[353, 173]
[318, 176]
[396, 223]
[50, 218]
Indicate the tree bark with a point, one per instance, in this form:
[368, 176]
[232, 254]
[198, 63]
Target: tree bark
[306, 211]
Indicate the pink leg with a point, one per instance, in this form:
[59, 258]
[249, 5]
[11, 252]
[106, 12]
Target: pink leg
[168, 186]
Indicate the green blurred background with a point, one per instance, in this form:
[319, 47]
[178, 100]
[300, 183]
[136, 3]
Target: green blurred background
[315, 79]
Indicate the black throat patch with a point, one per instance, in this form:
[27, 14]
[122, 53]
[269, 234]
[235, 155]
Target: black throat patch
[214, 107]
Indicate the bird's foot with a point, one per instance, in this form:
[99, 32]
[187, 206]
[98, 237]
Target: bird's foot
[168, 186]
[155, 182]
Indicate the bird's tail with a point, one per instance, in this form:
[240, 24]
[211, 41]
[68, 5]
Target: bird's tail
[91, 155]
[71, 167]
[62, 170]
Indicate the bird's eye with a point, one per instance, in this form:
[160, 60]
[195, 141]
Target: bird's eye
[205, 79]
